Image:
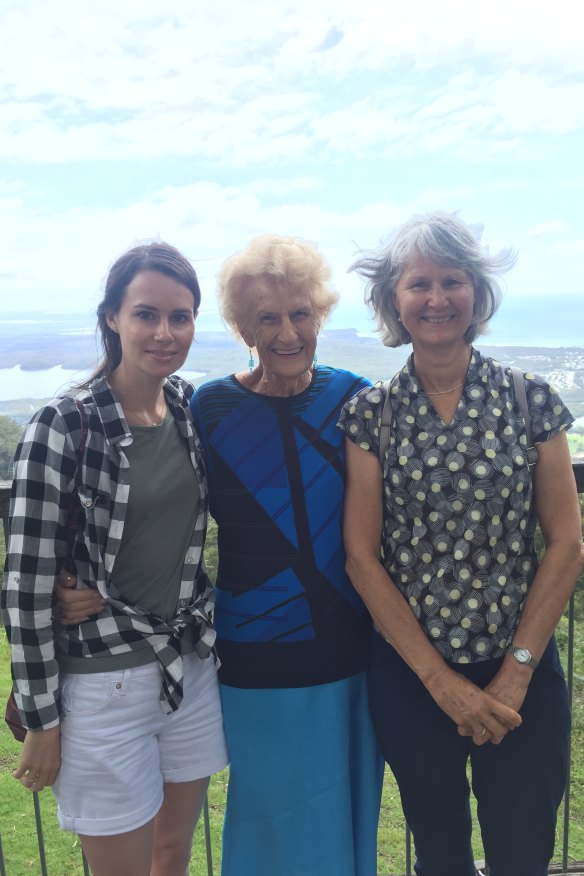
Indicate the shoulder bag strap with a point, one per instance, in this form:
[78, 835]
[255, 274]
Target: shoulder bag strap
[385, 420]
[521, 398]
[74, 504]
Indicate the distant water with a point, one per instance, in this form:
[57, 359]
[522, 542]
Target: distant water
[16, 384]
[554, 320]
[546, 321]
[543, 321]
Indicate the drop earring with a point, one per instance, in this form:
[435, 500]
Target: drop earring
[314, 361]
[251, 361]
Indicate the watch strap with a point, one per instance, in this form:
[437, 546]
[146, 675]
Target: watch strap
[520, 654]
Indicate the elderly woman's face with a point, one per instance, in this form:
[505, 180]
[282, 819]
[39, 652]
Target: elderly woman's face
[435, 302]
[281, 323]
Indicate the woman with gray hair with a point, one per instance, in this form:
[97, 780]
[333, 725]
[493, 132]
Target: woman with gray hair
[440, 545]
[293, 636]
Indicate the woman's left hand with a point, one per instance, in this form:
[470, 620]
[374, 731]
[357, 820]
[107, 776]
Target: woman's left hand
[508, 687]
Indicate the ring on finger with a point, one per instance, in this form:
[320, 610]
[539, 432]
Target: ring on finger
[483, 731]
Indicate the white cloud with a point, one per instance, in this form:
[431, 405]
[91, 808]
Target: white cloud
[251, 83]
[552, 226]
[333, 121]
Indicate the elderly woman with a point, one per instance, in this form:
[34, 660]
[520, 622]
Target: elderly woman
[465, 666]
[293, 636]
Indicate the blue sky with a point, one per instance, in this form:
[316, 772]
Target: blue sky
[206, 123]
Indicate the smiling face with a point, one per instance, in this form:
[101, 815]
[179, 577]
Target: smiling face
[282, 324]
[435, 302]
[156, 326]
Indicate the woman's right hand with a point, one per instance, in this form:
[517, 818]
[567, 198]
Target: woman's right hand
[75, 606]
[40, 759]
[475, 712]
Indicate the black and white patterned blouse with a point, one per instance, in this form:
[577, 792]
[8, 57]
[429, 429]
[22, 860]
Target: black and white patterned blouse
[459, 517]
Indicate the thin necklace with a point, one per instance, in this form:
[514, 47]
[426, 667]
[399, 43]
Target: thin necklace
[445, 391]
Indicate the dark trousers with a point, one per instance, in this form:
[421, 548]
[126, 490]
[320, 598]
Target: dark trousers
[518, 784]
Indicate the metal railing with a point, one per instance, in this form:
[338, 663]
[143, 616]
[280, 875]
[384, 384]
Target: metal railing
[562, 869]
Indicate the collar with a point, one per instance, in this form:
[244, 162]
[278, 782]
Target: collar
[111, 414]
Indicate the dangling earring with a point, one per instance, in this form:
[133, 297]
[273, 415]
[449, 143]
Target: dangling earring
[251, 361]
[314, 361]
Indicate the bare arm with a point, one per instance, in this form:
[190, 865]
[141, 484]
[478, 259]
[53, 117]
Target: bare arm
[558, 511]
[470, 708]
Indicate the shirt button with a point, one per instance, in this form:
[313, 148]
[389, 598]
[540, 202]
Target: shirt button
[118, 685]
[190, 560]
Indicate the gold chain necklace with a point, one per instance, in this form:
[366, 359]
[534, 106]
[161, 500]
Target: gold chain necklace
[445, 391]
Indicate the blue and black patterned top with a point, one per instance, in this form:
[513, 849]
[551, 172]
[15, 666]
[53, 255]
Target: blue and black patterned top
[459, 515]
[286, 613]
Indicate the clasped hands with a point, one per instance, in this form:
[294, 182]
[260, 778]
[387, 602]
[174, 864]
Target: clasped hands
[486, 715]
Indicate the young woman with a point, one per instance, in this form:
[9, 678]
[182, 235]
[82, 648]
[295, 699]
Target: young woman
[123, 711]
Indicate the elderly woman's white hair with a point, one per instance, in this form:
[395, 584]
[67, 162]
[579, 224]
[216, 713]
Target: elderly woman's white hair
[285, 261]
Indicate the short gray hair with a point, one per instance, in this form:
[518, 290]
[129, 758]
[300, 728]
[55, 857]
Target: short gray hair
[445, 239]
[284, 260]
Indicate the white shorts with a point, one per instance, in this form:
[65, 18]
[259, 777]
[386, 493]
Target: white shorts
[118, 747]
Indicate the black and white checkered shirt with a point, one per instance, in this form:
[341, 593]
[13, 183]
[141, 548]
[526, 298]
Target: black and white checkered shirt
[44, 477]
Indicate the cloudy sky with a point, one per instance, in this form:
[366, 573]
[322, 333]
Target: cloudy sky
[205, 122]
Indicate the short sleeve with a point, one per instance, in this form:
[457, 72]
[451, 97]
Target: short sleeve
[549, 415]
[360, 417]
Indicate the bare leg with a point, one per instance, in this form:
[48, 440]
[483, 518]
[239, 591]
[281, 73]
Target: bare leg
[174, 826]
[124, 854]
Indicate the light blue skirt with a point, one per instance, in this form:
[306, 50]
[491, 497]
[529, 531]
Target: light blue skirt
[305, 781]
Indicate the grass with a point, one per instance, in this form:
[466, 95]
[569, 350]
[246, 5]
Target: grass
[63, 853]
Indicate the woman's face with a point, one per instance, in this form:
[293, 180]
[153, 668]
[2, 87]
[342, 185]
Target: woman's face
[435, 302]
[156, 325]
[281, 323]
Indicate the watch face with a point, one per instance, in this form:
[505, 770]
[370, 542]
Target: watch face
[522, 655]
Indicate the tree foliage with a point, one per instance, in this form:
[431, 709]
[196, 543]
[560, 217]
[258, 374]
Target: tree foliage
[9, 435]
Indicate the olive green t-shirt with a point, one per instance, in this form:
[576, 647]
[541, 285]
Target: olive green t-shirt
[158, 526]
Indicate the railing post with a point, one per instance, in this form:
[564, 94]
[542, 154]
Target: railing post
[207, 823]
[408, 850]
[2, 867]
[39, 828]
[570, 681]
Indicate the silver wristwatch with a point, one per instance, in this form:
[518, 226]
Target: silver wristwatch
[523, 655]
